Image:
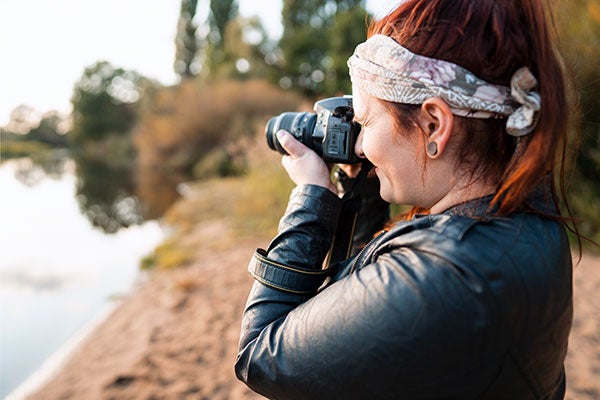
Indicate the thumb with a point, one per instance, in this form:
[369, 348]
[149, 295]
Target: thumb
[290, 144]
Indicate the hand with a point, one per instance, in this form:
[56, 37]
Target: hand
[302, 164]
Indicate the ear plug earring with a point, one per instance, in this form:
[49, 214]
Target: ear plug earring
[432, 149]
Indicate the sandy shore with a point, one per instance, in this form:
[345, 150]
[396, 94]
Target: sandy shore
[583, 358]
[176, 336]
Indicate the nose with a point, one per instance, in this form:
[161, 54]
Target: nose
[358, 148]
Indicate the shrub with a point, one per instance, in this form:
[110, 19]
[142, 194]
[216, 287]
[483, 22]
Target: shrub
[183, 124]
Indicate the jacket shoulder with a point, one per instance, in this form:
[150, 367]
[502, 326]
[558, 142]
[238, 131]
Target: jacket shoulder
[461, 239]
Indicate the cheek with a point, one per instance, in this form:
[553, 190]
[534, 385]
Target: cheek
[374, 144]
[380, 148]
[396, 159]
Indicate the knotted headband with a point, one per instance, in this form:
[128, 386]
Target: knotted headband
[384, 69]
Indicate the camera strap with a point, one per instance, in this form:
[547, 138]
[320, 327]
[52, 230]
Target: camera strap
[341, 247]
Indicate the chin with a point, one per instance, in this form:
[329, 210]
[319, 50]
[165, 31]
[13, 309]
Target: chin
[387, 196]
[384, 191]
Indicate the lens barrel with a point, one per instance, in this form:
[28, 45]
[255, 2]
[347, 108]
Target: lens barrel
[300, 124]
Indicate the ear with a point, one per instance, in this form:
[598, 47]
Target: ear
[437, 121]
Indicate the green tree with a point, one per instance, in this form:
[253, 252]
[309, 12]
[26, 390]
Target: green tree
[244, 50]
[318, 36]
[22, 119]
[29, 133]
[49, 130]
[579, 28]
[105, 102]
[222, 12]
[186, 42]
[348, 30]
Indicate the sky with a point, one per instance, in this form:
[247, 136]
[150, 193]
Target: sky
[46, 45]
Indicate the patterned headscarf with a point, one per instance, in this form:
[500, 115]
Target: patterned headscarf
[384, 69]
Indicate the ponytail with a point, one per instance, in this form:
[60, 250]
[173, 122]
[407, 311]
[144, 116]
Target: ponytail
[543, 150]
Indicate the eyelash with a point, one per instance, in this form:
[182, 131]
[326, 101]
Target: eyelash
[363, 123]
[358, 121]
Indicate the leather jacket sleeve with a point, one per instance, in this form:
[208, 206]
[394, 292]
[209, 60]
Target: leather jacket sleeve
[310, 219]
[296, 346]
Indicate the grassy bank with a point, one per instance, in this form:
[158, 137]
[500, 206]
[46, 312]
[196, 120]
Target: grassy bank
[232, 209]
[14, 149]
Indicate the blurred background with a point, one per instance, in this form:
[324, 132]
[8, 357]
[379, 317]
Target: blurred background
[109, 110]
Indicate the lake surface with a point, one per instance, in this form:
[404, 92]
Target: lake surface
[58, 271]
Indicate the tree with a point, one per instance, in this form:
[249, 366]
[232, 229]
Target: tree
[579, 30]
[27, 124]
[317, 35]
[186, 42]
[206, 55]
[49, 130]
[348, 30]
[23, 118]
[105, 102]
[243, 51]
[222, 12]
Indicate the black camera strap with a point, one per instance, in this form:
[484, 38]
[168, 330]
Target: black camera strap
[341, 247]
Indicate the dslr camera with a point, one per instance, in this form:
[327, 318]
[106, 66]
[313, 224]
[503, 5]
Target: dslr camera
[330, 131]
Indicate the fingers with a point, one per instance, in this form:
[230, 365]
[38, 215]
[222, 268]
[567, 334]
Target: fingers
[289, 143]
[302, 164]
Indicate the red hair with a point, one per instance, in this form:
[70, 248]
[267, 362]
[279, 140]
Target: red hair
[493, 39]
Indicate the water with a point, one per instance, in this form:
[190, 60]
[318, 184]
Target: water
[57, 271]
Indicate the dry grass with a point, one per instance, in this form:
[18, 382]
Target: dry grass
[184, 123]
[214, 214]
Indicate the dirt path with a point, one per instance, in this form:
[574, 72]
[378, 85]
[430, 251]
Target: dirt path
[583, 358]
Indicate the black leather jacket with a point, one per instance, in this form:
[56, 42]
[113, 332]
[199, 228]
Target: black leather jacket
[450, 306]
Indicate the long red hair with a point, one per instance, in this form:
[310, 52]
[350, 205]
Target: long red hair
[492, 39]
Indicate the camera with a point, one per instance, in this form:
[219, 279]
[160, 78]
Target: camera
[329, 131]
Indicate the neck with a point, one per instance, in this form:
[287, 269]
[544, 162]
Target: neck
[457, 195]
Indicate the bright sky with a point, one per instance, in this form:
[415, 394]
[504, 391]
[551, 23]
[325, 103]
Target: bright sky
[45, 45]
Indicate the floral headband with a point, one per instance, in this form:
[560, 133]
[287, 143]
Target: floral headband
[384, 69]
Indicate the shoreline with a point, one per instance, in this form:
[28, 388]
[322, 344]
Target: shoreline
[174, 337]
[53, 364]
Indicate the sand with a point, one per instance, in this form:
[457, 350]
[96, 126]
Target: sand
[175, 336]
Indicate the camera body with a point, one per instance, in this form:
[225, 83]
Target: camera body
[330, 131]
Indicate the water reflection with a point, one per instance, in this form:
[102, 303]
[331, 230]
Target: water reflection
[111, 195]
[156, 189]
[105, 194]
[57, 273]
[32, 280]
[32, 170]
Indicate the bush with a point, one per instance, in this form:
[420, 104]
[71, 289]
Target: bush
[220, 163]
[183, 124]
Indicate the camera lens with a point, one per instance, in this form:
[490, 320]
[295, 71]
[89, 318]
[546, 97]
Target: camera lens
[300, 124]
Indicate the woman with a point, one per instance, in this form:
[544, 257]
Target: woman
[463, 112]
